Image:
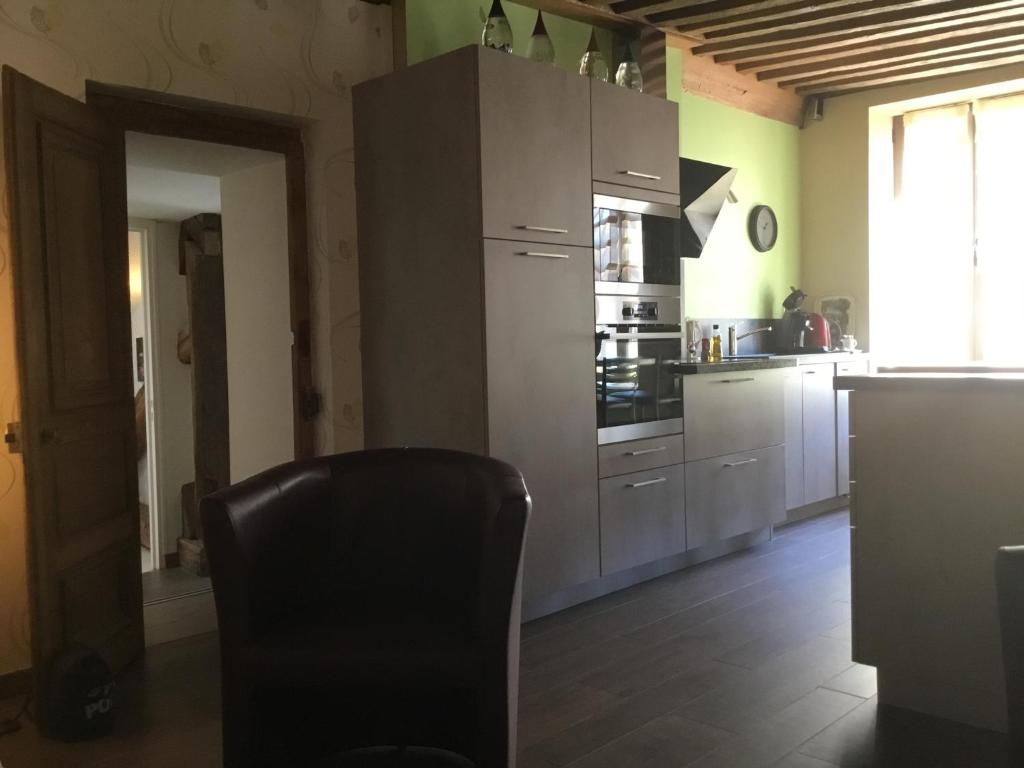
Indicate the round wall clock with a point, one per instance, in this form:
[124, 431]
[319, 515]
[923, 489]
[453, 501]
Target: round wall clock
[763, 227]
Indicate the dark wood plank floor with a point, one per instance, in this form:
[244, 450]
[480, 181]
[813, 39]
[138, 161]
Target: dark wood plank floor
[744, 661]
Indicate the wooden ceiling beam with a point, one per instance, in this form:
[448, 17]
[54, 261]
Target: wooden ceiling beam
[594, 12]
[852, 85]
[862, 14]
[920, 63]
[833, 63]
[702, 77]
[935, 16]
[859, 40]
[644, 8]
[772, 14]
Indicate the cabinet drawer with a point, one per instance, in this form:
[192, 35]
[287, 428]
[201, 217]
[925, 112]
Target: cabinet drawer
[637, 455]
[647, 158]
[642, 517]
[728, 412]
[730, 495]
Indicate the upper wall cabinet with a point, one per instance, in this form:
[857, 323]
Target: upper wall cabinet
[635, 139]
[534, 151]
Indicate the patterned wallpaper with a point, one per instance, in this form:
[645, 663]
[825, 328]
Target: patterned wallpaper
[298, 57]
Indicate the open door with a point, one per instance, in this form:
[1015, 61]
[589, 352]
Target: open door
[69, 254]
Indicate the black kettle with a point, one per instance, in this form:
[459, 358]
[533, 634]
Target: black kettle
[789, 332]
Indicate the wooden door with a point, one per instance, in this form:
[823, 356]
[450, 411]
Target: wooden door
[541, 413]
[819, 432]
[69, 232]
[534, 151]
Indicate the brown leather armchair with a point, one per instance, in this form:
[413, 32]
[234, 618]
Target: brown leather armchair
[369, 598]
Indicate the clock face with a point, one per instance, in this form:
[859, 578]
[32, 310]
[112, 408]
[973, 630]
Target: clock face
[764, 227]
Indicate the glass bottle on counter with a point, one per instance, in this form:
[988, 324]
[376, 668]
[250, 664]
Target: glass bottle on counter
[716, 345]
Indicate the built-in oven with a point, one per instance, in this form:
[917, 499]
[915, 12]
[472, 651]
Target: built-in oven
[636, 247]
[638, 349]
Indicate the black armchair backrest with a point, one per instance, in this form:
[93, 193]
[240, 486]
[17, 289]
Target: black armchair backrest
[411, 527]
[393, 531]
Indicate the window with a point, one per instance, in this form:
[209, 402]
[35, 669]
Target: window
[951, 281]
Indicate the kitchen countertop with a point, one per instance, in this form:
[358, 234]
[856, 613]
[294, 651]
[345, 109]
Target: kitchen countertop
[825, 357]
[938, 380]
[774, 361]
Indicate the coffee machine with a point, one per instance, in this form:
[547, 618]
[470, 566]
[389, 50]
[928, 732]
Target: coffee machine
[801, 332]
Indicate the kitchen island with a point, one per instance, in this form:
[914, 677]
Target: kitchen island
[936, 467]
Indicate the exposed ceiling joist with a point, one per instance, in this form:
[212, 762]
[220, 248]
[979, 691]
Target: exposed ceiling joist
[831, 64]
[851, 85]
[945, 15]
[811, 47]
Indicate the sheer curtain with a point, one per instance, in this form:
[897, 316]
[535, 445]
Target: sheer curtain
[925, 297]
[999, 147]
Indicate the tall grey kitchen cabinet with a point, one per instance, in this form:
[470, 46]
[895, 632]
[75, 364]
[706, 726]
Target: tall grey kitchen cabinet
[473, 179]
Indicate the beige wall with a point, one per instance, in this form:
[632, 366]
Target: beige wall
[299, 58]
[254, 218]
[834, 167]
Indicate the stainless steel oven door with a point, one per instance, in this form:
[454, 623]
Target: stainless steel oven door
[637, 247]
[638, 383]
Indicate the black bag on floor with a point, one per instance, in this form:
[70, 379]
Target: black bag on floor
[79, 702]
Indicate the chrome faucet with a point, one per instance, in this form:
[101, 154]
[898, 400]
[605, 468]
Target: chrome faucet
[734, 340]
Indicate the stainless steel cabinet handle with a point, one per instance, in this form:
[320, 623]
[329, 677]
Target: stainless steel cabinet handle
[645, 451]
[544, 255]
[735, 381]
[739, 463]
[644, 483]
[551, 230]
[639, 175]
[808, 373]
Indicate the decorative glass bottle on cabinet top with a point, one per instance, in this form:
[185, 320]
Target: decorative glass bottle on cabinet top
[628, 74]
[593, 64]
[540, 47]
[497, 31]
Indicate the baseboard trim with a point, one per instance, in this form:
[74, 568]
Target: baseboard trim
[614, 582]
[815, 509]
[16, 683]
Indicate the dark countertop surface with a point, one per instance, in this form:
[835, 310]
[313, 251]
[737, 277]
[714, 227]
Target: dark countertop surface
[740, 364]
[757, 363]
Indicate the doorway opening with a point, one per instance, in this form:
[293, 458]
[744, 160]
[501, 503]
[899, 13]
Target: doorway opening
[211, 347]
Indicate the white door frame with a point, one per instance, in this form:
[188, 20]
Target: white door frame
[150, 361]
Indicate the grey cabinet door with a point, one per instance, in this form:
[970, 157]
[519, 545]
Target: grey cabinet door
[843, 425]
[794, 389]
[542, 417]
[728, 412]
[730, 495]
[534, 151]
[642, 517]
[819, 432]
[635, 138]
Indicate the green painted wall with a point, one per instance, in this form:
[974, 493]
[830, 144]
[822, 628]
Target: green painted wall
[434, 27]
[730, 279]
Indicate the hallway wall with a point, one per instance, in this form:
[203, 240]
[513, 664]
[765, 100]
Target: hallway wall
[296, 58]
